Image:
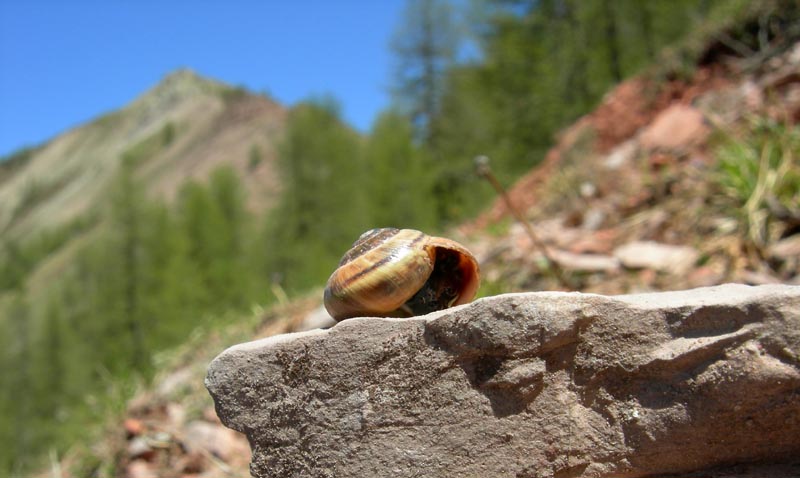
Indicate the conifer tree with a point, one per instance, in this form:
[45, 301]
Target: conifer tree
[20, 382]
[127, 216]
[226, 191]
[425, 45]
[322, 208]
[399, 182]
[202, 224]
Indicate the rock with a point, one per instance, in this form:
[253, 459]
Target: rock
[139, 447]
[705, 276]
[535, 385]
[787, 248]
[757, 278]
[726, 105]
[140, 469]
[654, 255]
[593, 218]
[132, 427]
[622, 155]
[586, 262]
[677, 128]
[176, 414]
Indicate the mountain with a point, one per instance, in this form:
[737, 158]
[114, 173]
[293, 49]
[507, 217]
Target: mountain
[181, 129]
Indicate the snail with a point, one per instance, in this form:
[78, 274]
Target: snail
[401, 273]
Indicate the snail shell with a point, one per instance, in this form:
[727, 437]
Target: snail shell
[400, 273]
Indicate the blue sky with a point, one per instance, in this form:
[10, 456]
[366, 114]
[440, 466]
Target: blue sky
[63, 63]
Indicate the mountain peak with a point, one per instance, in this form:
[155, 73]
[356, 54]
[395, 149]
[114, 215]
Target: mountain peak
[180, 87]
[184, 82]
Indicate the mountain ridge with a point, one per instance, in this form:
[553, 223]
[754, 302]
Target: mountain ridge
[182, 128]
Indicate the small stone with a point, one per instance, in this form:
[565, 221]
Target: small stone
[593, 219]
[140, 469]
[785, 248]
[677, 128]
[622, 155]
[587, 190]
[176, 414]
[139, 447]
[757, 278]
[586, 262]
[133, 427]
[657, 256]
[704, 276]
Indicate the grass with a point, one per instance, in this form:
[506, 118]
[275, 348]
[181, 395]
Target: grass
[759, 172]
[739, 28]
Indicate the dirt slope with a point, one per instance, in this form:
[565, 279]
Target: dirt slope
[632, 196]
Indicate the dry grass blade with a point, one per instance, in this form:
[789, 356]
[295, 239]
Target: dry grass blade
[483, 170]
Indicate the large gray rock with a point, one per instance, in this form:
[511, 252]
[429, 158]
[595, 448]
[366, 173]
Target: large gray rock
[527, 385]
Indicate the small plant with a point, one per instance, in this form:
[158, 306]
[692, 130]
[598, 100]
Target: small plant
[230, 95]
[139, 153]
[167, 134]
[760, 172]
[255, 158]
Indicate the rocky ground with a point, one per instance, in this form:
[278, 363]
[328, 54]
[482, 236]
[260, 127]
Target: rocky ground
[630, 198]
[627, 201]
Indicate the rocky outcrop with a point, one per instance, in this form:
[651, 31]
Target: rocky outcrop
[527, 385]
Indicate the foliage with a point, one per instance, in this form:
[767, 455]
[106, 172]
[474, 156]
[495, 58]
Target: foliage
[147, 278]
[398, 176]
[234, 94]
[425, 46]
[759, 171]
[18, 259]
[146, 148]
[254, 157]
[323, 205]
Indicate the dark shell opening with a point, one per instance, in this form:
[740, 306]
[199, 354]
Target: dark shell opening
[442, 287]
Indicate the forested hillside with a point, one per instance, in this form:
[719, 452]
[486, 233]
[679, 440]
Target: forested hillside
[189, 231]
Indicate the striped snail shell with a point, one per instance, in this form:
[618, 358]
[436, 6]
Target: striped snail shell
[401, 273]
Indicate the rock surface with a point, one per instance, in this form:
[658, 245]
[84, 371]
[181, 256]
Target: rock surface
[677, 128]
[527, 385]
[652, 255]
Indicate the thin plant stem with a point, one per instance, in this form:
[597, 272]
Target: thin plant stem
[483, 170]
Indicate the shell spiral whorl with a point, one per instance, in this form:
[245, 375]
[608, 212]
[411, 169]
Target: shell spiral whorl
[399, 273]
